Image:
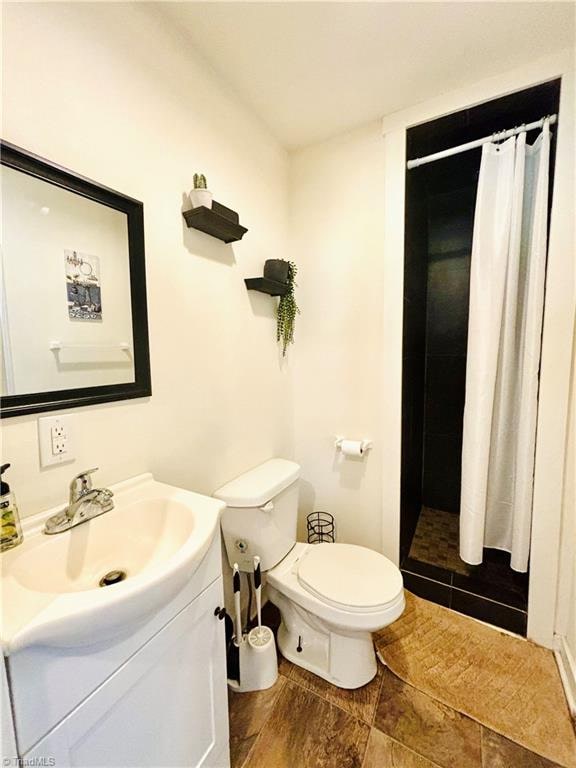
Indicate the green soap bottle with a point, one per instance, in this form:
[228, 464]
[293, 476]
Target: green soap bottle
[11, 534]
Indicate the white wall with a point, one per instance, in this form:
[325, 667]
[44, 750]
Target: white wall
[111, 92]
[566, 605]
[337, 231]
[569, 597]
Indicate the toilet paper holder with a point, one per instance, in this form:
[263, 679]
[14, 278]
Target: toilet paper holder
[364, 445]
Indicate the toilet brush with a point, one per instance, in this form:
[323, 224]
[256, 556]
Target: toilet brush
[259, 637]
[258, 590]
[233, 658]
[257, 652]
[237, 609]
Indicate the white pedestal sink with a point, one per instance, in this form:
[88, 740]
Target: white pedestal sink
[66, 639]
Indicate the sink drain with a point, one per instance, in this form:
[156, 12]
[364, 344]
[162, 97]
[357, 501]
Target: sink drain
[112, 577]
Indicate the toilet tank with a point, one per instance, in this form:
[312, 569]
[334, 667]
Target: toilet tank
[261, 514]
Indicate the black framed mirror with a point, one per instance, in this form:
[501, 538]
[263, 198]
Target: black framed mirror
[73, 306]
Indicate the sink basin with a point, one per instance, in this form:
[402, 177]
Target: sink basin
[76, 562]
[156, 537]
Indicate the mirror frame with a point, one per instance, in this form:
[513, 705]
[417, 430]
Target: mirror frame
[37, 402]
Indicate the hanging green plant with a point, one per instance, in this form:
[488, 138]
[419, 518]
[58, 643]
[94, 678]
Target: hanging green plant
[287, 311]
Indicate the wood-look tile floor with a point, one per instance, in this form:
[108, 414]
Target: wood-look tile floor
[304, 722]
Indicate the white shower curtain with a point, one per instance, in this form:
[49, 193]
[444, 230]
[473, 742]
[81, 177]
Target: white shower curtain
[504, 338]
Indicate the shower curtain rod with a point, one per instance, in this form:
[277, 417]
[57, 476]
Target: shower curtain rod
[499, 136]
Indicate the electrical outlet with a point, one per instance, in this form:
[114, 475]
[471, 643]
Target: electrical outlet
[59, 439]
[55, 439]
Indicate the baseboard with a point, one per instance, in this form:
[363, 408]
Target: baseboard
[567, 667]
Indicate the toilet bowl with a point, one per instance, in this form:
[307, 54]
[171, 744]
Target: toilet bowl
[331, 597]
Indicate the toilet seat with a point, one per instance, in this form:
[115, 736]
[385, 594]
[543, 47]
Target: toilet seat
[284, 578]
[350, 577]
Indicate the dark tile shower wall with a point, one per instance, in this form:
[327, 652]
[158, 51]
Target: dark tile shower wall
[440, 201]
[450, 222]
[413, 363]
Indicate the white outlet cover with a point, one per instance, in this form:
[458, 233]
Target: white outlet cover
[63, 426]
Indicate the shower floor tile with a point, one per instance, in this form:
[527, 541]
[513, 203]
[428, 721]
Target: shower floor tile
[434, 555]
[436, 541]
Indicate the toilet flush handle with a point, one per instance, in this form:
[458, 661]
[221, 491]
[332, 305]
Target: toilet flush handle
[268, 507]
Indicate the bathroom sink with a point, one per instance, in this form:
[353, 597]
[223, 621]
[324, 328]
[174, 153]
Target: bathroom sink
[105, 576]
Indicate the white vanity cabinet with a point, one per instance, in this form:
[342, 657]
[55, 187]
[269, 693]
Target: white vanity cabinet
[165, 706]
[130, 674]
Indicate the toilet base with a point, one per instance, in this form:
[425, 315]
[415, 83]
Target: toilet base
[347, 660]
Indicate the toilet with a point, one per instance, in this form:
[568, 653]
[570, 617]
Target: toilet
[331, 597]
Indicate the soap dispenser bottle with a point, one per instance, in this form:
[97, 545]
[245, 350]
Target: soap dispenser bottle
[11, 534]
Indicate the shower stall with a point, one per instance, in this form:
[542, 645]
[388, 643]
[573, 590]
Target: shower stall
[441, 199]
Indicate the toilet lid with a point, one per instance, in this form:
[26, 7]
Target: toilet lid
[349, 576]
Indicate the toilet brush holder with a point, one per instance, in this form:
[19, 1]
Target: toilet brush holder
[258, 661]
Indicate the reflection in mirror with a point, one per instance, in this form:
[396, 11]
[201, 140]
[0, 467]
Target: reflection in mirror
[67, 320]
[73, 290]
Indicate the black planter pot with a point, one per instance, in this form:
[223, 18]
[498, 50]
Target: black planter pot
[276, 269]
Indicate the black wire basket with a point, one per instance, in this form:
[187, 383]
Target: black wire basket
[321, 528]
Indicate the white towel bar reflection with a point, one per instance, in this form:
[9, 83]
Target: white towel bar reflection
[56, 345]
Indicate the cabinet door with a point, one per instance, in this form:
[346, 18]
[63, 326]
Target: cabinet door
[8, 735]
[165, 707]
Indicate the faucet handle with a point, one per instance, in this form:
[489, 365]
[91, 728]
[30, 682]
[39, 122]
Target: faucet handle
[82, 482]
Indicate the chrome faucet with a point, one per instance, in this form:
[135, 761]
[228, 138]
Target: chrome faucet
[84, 503]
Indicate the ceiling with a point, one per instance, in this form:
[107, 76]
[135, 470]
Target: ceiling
[314, 69]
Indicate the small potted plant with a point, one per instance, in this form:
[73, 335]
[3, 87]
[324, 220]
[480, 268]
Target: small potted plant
[287, 311]
[277, 269]
[200, 195]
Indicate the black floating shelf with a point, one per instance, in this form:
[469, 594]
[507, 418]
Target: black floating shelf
[264, 285]
[218, 221]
